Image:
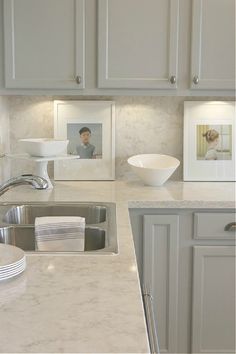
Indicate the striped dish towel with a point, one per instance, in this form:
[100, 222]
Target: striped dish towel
[60, 233]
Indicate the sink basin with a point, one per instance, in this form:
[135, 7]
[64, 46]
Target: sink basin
[153, 169]
[26, 214]
[17, 224]
[23, 237]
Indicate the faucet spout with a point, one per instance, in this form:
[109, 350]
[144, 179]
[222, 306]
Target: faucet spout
[35, 181]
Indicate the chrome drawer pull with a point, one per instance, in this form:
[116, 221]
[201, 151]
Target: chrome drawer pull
[230, 227]
[196, 80]
[78, 79]
[173, 79]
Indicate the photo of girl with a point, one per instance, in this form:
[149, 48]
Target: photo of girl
[214, 142]
[212, 139]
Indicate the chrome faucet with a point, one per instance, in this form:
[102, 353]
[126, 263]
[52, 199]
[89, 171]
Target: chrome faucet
[35, 181]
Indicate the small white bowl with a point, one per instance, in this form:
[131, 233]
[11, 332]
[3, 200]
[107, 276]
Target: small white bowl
[153, 169]
[44, 147]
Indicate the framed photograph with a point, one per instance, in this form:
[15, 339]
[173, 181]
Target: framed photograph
[209, 141]
[90, 128]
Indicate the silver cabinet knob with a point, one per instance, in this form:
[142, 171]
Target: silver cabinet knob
[195, 79]
[230, 227]
[173, 79]
[78, 79]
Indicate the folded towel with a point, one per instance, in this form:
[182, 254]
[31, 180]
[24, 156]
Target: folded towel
[60, 233]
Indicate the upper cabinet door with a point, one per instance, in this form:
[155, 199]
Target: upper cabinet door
[44, 44]
[137, 44]
[213, 44]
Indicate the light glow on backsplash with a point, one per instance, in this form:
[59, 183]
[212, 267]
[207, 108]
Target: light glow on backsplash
[51, 268]
[133, 268]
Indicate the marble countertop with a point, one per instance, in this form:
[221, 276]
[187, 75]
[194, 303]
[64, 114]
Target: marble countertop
[90, 304]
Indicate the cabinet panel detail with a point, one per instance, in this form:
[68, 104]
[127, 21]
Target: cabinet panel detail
[160, 275]
[138, 44]
[214, 226]
[44, 43]
[213, 317]
[213, 44]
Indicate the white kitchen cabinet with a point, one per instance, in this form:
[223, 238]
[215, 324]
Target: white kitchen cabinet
[44, 44]
[213, 45]
[138, 44]
[213, 316]
[160, 275]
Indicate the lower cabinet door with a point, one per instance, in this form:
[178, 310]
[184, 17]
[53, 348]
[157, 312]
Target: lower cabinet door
[213, 311]
[160, 275]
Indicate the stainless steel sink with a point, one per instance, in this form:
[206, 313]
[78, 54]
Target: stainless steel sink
[24, 238]
[17, 224]
[26, 214]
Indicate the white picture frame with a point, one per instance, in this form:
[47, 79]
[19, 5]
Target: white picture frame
[211, 160]
[69, 117]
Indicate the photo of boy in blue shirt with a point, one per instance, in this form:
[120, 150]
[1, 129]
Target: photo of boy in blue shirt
[85, 150]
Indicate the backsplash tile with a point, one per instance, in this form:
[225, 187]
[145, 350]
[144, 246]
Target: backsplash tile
[148, 125]
[4, 139]
[143, 125]
[30, 116]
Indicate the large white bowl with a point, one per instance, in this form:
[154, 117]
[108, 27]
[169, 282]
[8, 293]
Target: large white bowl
[44, 147]
[153, 169]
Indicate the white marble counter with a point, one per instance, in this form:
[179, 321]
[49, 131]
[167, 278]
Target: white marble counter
[172, 194]
[90, 304]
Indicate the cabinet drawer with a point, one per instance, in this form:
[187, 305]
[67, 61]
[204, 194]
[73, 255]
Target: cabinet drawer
[212, 226]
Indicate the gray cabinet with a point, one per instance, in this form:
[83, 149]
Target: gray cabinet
[160, 275]
[186, 260]
[131, 47]
[213, 311]
[213, 44]
[137, 44]
[44, 44]
[214, 226]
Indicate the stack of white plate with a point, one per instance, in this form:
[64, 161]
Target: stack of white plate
[12, 261]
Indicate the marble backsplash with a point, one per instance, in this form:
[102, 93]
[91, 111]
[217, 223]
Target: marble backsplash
[4, 139]
[143, 125]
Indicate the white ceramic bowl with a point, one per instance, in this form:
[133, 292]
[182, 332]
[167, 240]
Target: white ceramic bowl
[153, 169]
[44, 147]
